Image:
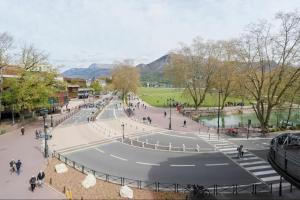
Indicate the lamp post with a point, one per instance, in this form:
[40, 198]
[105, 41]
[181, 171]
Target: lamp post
[249, 123]
[218, 130]
[170, 101]
[46, 136]
[123, 130]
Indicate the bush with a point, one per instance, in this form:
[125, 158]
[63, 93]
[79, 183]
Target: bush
[2, 131]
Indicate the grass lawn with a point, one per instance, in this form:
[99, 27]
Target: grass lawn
[158, 97]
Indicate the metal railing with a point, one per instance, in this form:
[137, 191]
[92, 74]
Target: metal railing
[287, 161]
[157, 146]
[171, 187]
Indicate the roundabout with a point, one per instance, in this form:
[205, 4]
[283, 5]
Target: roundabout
[150, 155]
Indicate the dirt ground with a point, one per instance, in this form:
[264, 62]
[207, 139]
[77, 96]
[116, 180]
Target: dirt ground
[102, 190]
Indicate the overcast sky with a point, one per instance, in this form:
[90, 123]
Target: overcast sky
[77, 33]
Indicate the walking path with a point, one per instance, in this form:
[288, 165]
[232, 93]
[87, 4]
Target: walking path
[28, 149]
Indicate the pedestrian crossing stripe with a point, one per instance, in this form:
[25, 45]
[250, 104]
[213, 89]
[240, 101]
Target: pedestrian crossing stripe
[264, 172]
[258, 167]
[250, 162]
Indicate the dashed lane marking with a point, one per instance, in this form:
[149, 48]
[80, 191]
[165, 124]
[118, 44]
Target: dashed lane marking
[216, 164]
[101, 151]
[182, 165]
[151, 164]
[118, 157]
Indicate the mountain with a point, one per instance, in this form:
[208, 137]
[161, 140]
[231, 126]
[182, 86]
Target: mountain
[94, 70]
[153, 72]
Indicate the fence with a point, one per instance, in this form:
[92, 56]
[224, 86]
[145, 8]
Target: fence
[157, 146]
[171, 187]
[67, 116]
[287, 160]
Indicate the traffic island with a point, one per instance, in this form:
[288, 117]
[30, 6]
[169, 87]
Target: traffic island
[71, 181]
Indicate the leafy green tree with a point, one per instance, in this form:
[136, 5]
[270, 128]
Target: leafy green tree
[96, 86]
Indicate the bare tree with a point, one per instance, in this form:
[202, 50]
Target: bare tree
[192, 68]
[225, 79]
[6, 42]
[270, 61]
[125, 78]
[31, 58]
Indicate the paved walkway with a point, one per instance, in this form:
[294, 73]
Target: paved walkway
[159, 120]
[26, 148]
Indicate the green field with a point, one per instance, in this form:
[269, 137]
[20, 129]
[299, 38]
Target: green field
[158, 97]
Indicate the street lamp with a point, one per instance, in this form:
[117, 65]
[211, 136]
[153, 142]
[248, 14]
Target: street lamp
[218, 130]
[46, 136]
[123, 130]
[170, 101]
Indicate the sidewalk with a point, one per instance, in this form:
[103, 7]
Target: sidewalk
[26, 148]
[159, 120]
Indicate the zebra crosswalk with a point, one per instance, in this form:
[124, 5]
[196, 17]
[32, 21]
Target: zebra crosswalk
[255, 165]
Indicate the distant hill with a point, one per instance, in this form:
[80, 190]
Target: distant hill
[154, 71]
[93, 71]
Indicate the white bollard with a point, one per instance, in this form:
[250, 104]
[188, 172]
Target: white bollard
[143, 144]
[170, 146]
[183, 147]
[198, 148]
[130, 142]
[155, 146]
[122, 140]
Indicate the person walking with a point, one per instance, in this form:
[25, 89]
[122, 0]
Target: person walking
[241, 151]
[184, 123]
[238, 152]
[12, 165]
[165, 114]
[40, 178]
[22, 130]
[18, 166]
[32, 182]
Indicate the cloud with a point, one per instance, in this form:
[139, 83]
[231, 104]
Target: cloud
[79, 32]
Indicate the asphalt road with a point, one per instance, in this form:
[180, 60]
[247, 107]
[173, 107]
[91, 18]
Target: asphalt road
[166, 167]
[176, 140]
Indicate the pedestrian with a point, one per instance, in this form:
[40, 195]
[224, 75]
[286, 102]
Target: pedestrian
[88, 119]
[241, 151]
[150, 120]
[22, 130]
[32, 182]
[184, 123]
[238, 152]
[36, 134]
[18, 166]
[12, 165]
[40, 178]
[165, 114]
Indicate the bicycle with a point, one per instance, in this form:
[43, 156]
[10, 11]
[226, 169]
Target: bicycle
[197, 192]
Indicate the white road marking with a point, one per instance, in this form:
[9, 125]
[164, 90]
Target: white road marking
[143, 163]
[216, 164]
[264, 172]
[182, 165]
[258, 167]
[227, 149]
[251, 158]
[101, 151]
[252, 163]
[272, 178]
[118, 157]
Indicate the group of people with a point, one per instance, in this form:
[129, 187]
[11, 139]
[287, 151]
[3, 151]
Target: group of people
[15, 166]
[148, 119]
[36, 180]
